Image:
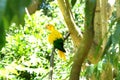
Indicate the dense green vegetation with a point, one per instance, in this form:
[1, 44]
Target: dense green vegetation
[26, 54]
[25, 51]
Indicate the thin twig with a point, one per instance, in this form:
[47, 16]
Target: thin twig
[28, 14]
[68, 34]
[51, 64]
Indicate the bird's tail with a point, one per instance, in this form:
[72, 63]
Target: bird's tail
[62, 55]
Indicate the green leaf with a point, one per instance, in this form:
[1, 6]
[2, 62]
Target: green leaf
[73, 2]
[15, 10]
[2, 31]
[11, 11]
[2, 35]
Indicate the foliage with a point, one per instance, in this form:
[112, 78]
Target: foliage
[27, 52]
[110, 58]
[11, 11]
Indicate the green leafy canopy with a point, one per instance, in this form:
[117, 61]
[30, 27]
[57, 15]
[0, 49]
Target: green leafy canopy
[11, 11]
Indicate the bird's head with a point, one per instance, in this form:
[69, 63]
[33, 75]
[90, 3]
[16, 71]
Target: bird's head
[50, 27]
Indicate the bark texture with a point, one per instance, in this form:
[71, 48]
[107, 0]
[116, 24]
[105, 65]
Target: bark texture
[102, 14]
[118, 8]
[107, 73]
[68, 17]
[86, 42]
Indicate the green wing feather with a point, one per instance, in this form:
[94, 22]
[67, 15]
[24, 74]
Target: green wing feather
[58, 43]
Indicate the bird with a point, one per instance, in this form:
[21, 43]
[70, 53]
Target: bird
[56, 39]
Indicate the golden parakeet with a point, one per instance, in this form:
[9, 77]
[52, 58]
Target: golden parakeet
[56, 38]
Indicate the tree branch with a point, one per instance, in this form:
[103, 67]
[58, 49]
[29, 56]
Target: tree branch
[102, 14]
[68, 17]
[68, 34]
[51, 64]
[86, 42]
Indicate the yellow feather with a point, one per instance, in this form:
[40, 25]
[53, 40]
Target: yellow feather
[62, 55]
[54, 35]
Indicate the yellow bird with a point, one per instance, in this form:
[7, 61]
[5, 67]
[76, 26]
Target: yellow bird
[56, 39]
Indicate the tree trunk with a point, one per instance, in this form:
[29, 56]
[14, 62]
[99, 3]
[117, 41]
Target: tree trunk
[86, 42]
[102, 14]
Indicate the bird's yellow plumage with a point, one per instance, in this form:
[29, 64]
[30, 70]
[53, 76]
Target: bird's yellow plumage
[53, 36]
[62, 55]
[56, 39]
